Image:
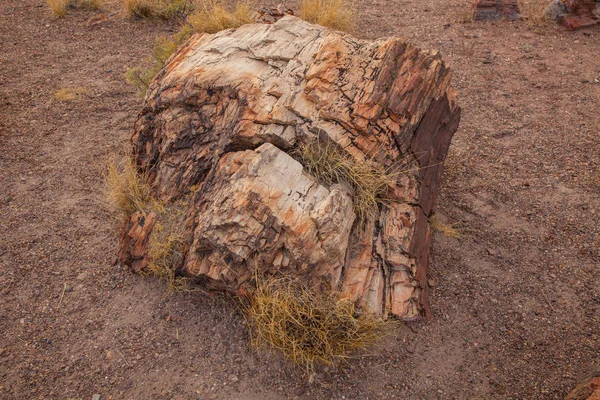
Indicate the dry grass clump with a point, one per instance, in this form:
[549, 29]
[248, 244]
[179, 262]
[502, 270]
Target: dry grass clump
[126, 189]
[336, 14]
[447, 230]
[162, 9]
[329, 164]
[61, 7]
[165, 253]
[214, 16]
[70, 94]
[535, 12]
[310, 329]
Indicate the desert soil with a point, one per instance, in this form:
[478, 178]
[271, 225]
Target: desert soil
[515, 300]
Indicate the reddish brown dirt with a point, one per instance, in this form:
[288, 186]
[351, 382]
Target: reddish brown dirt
[516, 300]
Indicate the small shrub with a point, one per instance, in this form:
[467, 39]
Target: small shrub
[126, 189]
[335, 14]
[329, 165]
[214, 16]
[60, 7]
[163, 9]
[447, 230]
[70, 94]
[309, 329]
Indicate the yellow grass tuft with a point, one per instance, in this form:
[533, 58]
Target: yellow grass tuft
[309, 329]
[329, 164]
[70, 94]
[163, 9]
[126, 189]
[214, 16]
[447, 230]
[165, 253]
[61, 7]
[534, 11]
[335, 14]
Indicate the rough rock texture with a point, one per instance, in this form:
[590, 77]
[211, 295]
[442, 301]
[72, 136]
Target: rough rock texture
[588, 390]
[219, 127]
[575, 14]
[489, 10]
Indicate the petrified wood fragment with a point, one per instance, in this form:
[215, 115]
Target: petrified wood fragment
[220, 125]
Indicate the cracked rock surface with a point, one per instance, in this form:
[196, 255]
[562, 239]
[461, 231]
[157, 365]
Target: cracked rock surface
[219, 128]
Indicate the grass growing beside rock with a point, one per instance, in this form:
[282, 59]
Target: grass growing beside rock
[214, 16]
[329, 164]
[335, 14]
[211, 16]
[309, 329]
[162, 9]
[127, 191]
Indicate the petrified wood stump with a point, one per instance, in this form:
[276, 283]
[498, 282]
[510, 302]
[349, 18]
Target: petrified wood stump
[219, 128]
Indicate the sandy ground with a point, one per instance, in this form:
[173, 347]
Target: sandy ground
[516, 299]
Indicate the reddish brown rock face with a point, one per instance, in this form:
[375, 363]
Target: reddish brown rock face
[489, 10]
[224, 117]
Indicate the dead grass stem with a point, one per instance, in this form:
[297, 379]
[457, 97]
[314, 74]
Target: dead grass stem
[329, 164]
[534, 11]
[447, 230]
[309, 329]
[165, 253]
[70, 94]
[335, 14]
[126, 189]
[61, 7]
[214, 16]
[162, 9]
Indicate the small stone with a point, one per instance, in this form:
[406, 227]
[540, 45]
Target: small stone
[431, 282]
[300, 391]
[110, 355]
[96, 397]
[410, 350]
[234, 378]
[491, 252]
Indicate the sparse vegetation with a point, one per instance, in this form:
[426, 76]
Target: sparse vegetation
[165, 252]
[61, 7]
[211, 16]
[214, 16]
[465, 16]
[70, 94]
[310, 329]
[126, 189]
[336, 14]
[447, 230]
[163, 9]
[164, 47]
[329, 164]
[535, 12]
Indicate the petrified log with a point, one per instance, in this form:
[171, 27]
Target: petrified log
[219, 128]
[490, 10]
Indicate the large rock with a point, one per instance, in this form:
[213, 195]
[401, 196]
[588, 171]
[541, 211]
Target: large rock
[219, 128]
